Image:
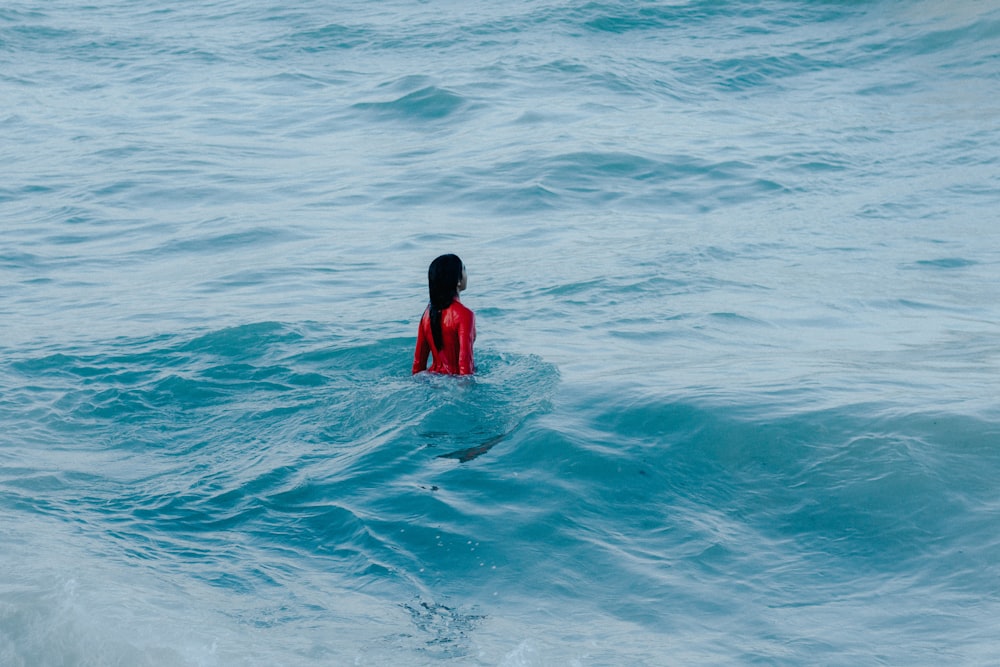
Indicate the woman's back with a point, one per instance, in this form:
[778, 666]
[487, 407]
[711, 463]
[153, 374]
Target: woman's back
[458, 333]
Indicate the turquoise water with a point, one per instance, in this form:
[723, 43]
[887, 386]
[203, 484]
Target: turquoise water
[736, 270]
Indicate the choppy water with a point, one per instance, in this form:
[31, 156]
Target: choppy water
[736, 269]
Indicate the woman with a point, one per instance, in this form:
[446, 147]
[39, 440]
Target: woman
[447, 328]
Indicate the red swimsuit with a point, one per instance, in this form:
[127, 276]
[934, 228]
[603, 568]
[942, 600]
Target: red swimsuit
[458, 332]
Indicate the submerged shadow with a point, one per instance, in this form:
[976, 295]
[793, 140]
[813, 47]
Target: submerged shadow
[470, 453]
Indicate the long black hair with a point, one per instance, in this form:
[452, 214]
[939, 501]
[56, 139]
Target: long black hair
[443, 277]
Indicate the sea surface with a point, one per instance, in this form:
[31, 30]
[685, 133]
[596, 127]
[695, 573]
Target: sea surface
[736, 272]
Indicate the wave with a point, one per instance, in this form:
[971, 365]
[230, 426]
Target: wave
[243, 415]
[538, 181]
[429, 103]
[242, 460]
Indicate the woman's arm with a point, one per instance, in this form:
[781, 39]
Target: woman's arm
[423, 348]
[466, 337]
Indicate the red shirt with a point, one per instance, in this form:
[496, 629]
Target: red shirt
[458, 332]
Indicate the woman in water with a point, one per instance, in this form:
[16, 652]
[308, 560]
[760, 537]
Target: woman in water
[447, 328]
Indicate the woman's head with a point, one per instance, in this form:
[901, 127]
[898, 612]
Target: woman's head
[446, 277]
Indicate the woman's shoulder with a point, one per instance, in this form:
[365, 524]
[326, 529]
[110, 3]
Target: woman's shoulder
[460, 308]
[458, 312]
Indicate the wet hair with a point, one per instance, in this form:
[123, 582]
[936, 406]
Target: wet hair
[443, 277]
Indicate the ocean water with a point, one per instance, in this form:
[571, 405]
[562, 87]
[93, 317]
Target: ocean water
[736, 270]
